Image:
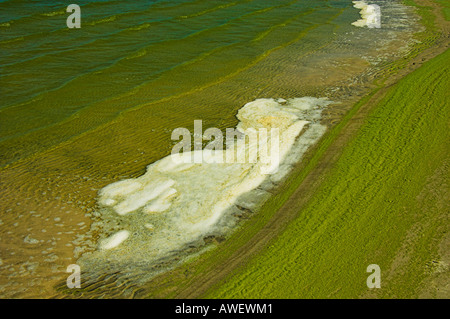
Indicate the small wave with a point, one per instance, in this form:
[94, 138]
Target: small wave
[197, 14]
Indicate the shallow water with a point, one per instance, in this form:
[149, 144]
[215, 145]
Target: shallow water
[84, 108]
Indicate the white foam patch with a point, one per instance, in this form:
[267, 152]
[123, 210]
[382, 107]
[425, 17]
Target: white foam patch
[115, 240]
[175, 203]
[161, 203]
[370, 15]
